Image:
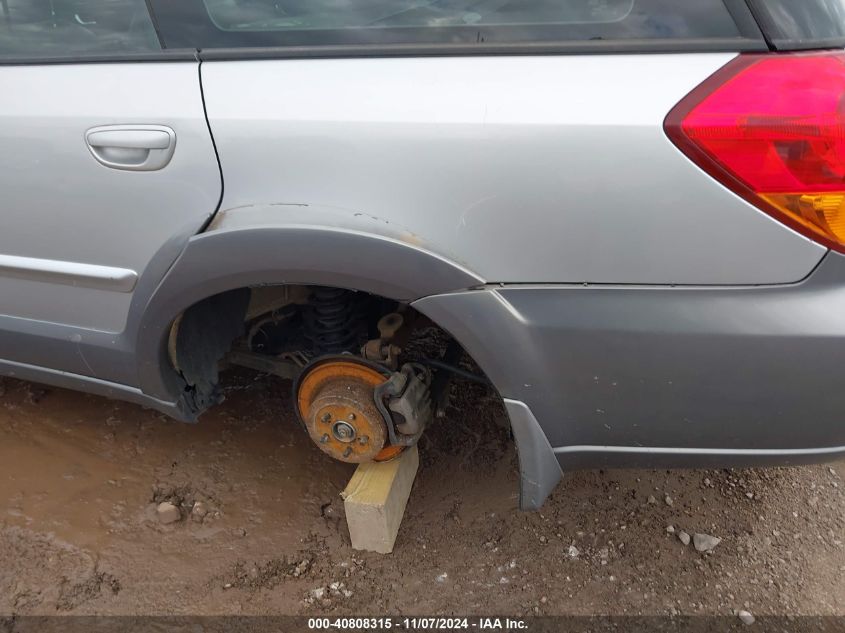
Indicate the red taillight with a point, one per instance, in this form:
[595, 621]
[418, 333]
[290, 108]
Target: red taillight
[772, 129]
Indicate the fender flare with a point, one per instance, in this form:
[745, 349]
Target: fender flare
[253, 251]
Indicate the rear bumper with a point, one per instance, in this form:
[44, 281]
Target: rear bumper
[676, 376]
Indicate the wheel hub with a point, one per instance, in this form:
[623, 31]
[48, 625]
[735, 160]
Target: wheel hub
[336, 403]
[344, 432]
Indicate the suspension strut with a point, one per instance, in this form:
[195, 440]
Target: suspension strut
[334, 321]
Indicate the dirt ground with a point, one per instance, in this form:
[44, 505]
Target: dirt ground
[80, 478]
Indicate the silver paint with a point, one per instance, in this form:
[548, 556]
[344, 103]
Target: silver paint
[59, 203]
[539, 470]
[722, 373]
[521, 169]
[132, 147]
[68, 273]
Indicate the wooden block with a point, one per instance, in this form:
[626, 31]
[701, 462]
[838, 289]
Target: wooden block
[375, 501]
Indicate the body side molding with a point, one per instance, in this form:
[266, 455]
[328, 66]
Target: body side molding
[68, 273]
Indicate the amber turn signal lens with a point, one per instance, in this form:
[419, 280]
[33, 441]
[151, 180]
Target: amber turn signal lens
[821, 213]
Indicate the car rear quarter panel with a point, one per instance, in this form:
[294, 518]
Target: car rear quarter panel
[659, 375]
[521, 169]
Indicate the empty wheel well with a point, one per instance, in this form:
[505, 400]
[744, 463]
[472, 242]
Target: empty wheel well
[281, 328]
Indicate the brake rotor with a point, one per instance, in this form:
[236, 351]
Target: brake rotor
[336, 403]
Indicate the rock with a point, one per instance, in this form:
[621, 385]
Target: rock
[746, 617]
[544, 600]
[684, 537]
[651, 499]
[705, 542]
[301, 568]
[750, 495]
[318, 593]
[573, 552]
[543, 539]
[670, 529]
[442, 577]
[669, 501]
[167, 512]
[199, 510]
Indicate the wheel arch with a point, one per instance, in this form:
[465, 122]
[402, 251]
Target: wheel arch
[254, 250]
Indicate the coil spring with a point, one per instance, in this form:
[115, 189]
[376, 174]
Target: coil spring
[334, 321]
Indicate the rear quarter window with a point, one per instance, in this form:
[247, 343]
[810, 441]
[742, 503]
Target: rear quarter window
[802, 23]
[230, 23]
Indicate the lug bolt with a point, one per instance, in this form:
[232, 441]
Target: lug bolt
[348, 451]
[327, 417]
[325, 438]
[363, 440]
[351, 416]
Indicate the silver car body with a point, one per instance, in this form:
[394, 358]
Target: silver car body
[77, 235]
[630, 309]
[564, 158]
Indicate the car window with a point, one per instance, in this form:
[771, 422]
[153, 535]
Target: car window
[60, 28]
[638, 18]
[331, 14]
[807, 21]
[232, 23]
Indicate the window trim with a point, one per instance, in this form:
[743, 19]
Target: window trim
[727, 45]
[166, 55]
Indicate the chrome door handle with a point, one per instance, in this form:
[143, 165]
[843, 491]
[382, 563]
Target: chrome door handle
[132, 147]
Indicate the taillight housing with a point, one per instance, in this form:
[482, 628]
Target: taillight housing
[772, 129]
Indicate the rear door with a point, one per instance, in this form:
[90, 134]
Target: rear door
[105, 159]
